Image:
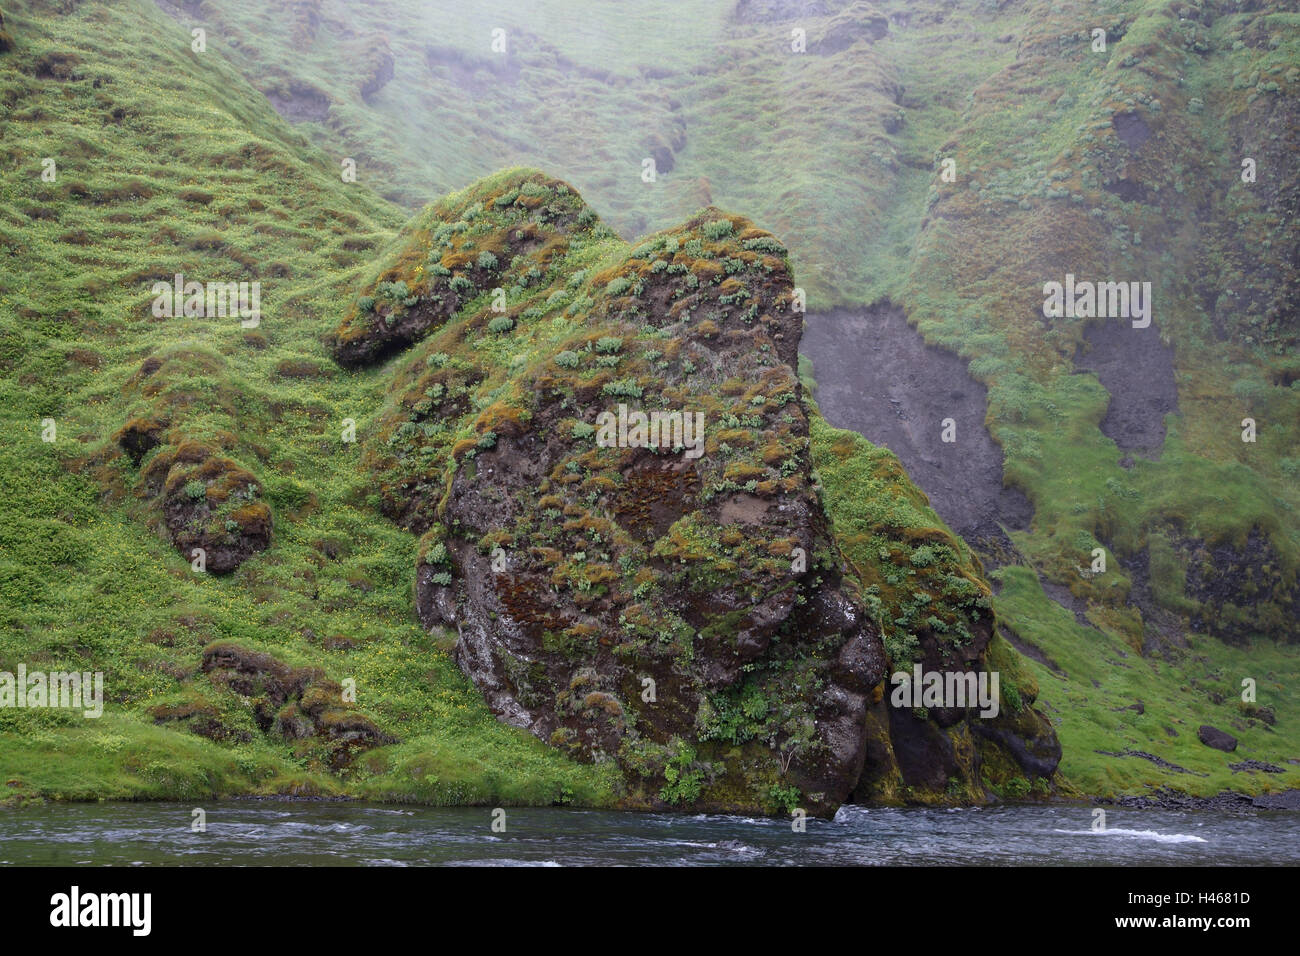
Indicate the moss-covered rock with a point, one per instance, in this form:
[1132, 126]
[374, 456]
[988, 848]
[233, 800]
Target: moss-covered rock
[288, 703]
[673, 602]
[178, 439]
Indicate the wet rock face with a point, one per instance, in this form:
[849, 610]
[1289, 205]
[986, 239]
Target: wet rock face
[300, 103]
[637, 603]
[876, 375]
[1132, 129]
[1137, 369]
[1236, 592]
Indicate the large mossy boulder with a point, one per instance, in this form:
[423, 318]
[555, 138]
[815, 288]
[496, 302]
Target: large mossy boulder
[674, 600]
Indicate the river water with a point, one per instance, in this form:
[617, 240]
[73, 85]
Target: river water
[261, 833]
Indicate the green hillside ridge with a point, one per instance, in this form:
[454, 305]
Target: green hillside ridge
[200, 177]
[838, 150]
[174, 162]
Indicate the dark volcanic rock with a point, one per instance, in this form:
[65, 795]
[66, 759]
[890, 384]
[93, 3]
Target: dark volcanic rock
[1232, 592]
[1252, 765]
[1158, 761]
[1132, 129]
[1218, 739]
[1286, 800]
[555, 629]
[1137, 369]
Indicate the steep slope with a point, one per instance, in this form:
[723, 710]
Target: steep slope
[199, 526]
[990, 151]
[954, 157]
[1117, 164]
[161, 428]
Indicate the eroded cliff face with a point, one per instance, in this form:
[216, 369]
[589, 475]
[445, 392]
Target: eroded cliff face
[607, 452]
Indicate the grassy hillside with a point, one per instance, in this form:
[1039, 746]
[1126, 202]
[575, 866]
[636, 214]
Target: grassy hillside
[170, 162]
[840, 150]
[176, 161]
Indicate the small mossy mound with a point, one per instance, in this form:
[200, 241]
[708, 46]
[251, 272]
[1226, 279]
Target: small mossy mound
[185, 415]
[291, 703]
[209, 504]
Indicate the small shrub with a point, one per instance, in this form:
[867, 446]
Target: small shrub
[923, 556]
[623, 388]
[392, 291]
[765, 244]
[618, 286]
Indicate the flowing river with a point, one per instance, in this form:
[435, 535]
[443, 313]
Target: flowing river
[261, 833]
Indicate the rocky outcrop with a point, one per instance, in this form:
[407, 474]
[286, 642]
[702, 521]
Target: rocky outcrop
[6, 41]
[607, 452]
[635, 600]
[377, 67]
[417, 291]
